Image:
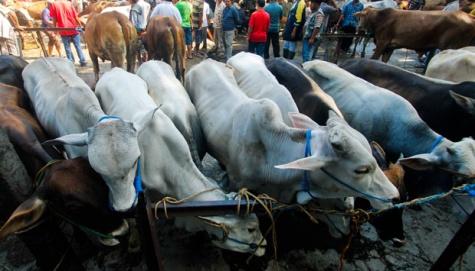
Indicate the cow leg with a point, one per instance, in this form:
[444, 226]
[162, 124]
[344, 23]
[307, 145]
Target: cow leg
[380, 49]
[131, 57]
[387, 54]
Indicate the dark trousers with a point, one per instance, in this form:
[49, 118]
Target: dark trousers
[346, 42]
[274, 38]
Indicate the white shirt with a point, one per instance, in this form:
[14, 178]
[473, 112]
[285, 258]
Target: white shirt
[205, 14]
[166, 8]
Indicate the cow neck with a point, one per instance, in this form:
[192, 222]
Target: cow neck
[306, 183]
[436, 142]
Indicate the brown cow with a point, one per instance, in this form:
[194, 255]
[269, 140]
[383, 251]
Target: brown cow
[165, 41]
[73, 191]
[96, 7]
[23, 130]
[418, 30]
[111, 36]
[34, 8]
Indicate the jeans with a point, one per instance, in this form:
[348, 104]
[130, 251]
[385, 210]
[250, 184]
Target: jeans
[77, 44]
[274, 38]
[290, 45]
[309, 50]
[256, 48]
[228, 38]
[204, 35]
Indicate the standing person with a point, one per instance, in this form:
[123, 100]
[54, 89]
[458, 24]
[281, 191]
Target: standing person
[349, 23]
[250, 6]
[185, 11]
[166, 8]
[8, 40]
[217, 26]
[65, 16]
[137, 17]
[230, 20]
[257, 31]
[197, 21]
[293, 29]
[416, 5]
[53, 37]
[204, 32]
[313, 27]
[276, 13]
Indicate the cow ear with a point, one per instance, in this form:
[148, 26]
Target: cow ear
[466, 103]
[420, 162]
[379, 154]
[145, 120]
[302, 121]
[25, 216]
[308, 163]
[72, 139]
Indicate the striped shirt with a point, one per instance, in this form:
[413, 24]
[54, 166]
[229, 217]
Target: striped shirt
[197, 15]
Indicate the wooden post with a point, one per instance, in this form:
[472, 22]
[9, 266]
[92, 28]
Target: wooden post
[459, 244]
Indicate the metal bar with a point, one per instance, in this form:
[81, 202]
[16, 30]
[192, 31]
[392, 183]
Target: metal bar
[149, 241]
[205, 208]
[46, 29]
[343, 35]
[459, 244]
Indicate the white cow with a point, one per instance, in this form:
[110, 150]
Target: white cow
[453, 65]
[166, 164]
[166, 90]
[263, 154]
[68, 109]
[390, 120]
[257, 82]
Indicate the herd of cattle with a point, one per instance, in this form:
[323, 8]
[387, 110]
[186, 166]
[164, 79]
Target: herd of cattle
[149, 126]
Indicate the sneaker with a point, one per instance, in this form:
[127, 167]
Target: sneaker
[83, 64]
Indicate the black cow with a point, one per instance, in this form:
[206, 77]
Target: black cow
[10, 70]
[309, 97]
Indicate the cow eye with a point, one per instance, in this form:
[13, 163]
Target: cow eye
[251, 230]
[362, 170]
[451, 151]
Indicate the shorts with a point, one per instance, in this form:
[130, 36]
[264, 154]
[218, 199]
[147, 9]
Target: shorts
[198, 35]
[188, 35]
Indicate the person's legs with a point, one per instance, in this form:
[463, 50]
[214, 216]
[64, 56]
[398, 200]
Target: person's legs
[305, 50]
[275, 43]
[188, 40]
[260, 46]
[251, 47]
[346, 42]
[267, 46]
[77, 44]
[228, 43]
[198, 40]
[204, 36]
[292, 49]
[67, 47]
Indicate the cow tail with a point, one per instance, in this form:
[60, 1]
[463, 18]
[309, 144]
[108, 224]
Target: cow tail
[130, 42]
[176, 55]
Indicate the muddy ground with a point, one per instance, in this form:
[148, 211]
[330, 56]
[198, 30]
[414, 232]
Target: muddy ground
[301, 244]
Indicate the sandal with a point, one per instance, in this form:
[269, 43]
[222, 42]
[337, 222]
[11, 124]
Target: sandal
[189, 57]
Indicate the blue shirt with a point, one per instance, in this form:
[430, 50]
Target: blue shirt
[230, 18]
[275, 11]
[348, 11]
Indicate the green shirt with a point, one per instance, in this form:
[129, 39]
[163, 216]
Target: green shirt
[185, 11]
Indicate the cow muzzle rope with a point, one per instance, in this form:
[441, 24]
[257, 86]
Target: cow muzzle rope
[306, 183]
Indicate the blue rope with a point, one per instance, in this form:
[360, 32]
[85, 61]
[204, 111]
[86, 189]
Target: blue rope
[436, 142]
[108, 117]
[306, 184]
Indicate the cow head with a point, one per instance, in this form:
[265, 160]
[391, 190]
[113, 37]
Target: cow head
[344, 156]
[457, 158]
[338, 225]
[113, 152]
[236, 233]
[72, 190]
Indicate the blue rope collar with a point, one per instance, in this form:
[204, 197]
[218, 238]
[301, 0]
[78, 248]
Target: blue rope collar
[436, 142]
[137, 185]
[306, 183]
[108, 117]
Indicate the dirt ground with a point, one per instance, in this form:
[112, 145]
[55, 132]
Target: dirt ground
[301, 245]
